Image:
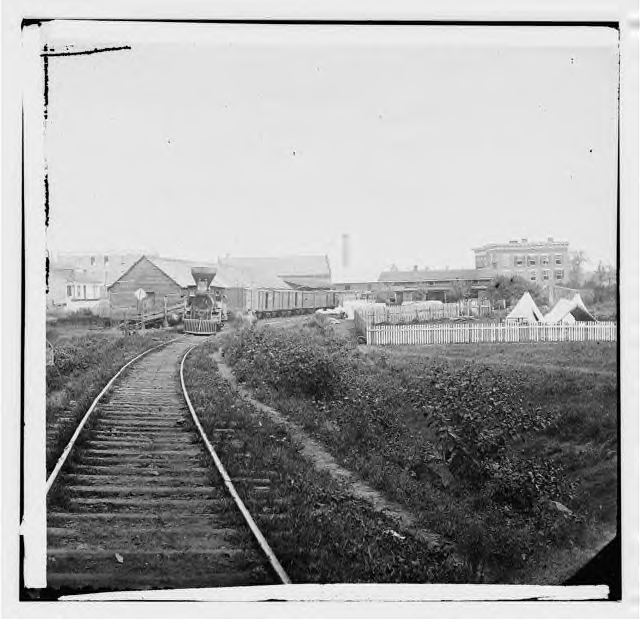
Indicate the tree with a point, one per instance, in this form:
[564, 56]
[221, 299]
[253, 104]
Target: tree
[461, 290]
[510, 289]
[604, 282]
[576, 269]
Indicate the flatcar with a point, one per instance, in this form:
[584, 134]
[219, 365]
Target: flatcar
[203, 313]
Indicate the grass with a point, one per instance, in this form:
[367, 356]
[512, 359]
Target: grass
[84, 364]
[319, 533]
[597, 356]
[487, 455]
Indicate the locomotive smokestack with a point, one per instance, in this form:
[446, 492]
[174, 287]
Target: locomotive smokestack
[346, 251]
[203, 276]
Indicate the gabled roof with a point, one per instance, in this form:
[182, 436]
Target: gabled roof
[117, 269]
[308, 283]
[526, 309]
[284, 266]
[179, 271]
[421, 275]
[565, 307]
[78, 276]
[226, 276]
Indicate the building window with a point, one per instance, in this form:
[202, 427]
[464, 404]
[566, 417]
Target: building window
[559, 273]
[77, 292]
[84, 292]
[347, 286]
[531, 261]
[532, 275]
[106, 261]
[558, 258]
[69, 290]
[519, 261]
[518, 273]
[545, 274]
[93, 260]
[544, 259]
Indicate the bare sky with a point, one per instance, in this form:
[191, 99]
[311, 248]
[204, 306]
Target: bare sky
[421, 143]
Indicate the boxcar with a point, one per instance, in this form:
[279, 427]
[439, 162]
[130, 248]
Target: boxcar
[266, 302]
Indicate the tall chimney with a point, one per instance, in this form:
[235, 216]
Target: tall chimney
[346, 251]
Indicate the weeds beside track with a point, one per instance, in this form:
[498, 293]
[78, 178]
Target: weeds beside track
[514, 464]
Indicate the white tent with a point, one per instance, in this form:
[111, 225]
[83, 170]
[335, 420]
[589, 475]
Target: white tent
[569, 311]
[525, 310]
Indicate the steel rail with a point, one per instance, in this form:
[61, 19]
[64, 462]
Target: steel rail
[230, 487]
[67, 450]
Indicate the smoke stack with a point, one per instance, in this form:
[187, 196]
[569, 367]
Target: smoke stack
[203, 276]
[346, 251]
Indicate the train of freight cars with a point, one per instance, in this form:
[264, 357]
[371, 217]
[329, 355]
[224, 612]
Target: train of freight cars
[273, 302]
[207, 309]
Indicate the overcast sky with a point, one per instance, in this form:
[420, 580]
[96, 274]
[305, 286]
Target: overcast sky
[421, 143]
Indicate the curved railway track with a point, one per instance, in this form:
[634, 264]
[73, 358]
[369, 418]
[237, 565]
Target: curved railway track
[138, 504]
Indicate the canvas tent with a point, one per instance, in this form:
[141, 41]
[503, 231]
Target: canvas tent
[569, 311]
[525, 310]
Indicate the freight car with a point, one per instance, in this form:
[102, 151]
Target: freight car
[271, 302]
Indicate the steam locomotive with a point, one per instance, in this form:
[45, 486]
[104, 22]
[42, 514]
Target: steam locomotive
[203, 314]
[206, 310]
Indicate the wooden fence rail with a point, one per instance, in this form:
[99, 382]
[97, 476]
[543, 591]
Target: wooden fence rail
[384, 335]
[406, 314]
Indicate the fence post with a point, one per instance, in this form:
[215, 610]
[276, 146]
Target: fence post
[166, 319]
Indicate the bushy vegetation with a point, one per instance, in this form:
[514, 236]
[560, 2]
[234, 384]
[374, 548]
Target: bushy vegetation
[306, 363]
[318, 531]
[511, 288]
[467, 447]
[83, 365]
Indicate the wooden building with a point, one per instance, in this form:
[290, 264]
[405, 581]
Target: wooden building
[432, 284]
[145, 274]
[170, 278]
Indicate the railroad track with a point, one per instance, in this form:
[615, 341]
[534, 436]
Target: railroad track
[138, 504]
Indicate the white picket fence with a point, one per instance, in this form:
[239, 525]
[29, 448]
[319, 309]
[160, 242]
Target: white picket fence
[384, 335]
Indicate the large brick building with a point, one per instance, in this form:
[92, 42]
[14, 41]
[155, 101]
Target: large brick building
[542, 262]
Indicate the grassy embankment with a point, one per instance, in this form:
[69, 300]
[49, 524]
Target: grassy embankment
[84, 364]
[318, 531]
[514, 463]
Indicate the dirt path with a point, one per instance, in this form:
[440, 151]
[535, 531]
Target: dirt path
[139, 506]
[324, 461]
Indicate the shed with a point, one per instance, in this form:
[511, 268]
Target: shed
[158, 277]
